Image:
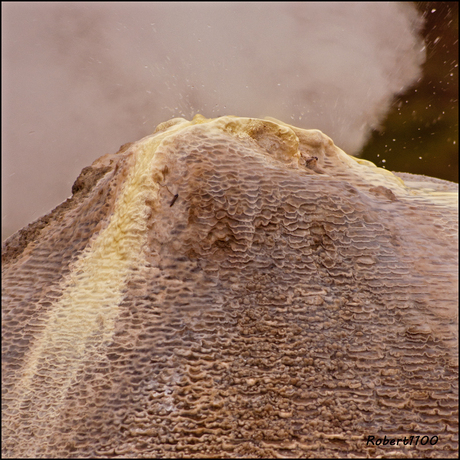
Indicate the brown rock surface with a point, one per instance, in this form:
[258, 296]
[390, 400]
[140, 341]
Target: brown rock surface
[233, 288]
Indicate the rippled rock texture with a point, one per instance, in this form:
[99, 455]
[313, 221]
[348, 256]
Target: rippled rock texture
[233, 288]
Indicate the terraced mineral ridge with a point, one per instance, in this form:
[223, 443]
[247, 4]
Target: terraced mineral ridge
[234, 287]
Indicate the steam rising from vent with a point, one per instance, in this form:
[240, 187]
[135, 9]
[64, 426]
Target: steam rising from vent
[333, 67]
[82, 79]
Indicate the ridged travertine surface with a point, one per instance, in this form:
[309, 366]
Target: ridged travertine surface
[233, 287]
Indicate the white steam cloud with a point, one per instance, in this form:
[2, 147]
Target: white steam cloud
[80, 79]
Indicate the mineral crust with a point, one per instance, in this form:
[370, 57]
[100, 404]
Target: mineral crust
[234, 287]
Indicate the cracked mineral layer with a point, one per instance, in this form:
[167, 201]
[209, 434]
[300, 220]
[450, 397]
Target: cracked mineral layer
[233, 287]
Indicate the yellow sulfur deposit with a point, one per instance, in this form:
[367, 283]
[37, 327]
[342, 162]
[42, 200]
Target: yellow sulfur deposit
[233, 287]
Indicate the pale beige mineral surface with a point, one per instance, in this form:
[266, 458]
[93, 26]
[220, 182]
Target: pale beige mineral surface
[233, 287]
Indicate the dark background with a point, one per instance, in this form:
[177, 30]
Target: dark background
[420, 133]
